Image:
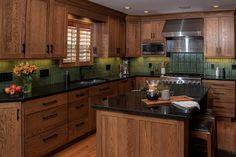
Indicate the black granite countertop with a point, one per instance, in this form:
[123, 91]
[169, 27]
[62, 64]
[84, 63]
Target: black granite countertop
[131, 103]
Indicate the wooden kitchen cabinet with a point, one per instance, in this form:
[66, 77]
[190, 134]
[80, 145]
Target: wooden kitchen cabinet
[12, 31]
[78, 113]
[98, 95]
[221, 97]
[45, 29]
[125, 86]
[133, 39]
[219, 37]
[10, 130]
[45, 124]
[151, 30]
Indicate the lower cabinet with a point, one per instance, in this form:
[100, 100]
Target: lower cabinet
[126, 85]
[10, 130]
[126, 135]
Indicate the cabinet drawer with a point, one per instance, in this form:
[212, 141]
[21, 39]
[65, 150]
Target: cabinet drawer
[45, 103]
[41, 144]
[78, 109]
[45, 120]
[77, 95]
[224, 109]
[223, 93]
[220, 84]
[100, 89]
[78, 128]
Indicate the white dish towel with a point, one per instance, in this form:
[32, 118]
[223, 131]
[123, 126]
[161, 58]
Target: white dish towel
[186, 104]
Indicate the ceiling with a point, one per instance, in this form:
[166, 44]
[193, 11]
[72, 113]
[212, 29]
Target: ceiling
[166, 6]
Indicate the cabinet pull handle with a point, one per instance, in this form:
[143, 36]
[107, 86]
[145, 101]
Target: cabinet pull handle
[18, 114]
[218, 106]
[79, 95]
[50, 103]
[48, 49]
[50, 137]
[218, 84]
[23, 48]
[50, 116]
[218, 93]
[103, 89]
[80, 106]
[51, 48]
[80, 124]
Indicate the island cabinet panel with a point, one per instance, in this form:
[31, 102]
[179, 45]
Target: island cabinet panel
[221, 97]
[10, 130]
[12, 22]
[120, 134]
[78, 113]
[219, 37]
[133, 39]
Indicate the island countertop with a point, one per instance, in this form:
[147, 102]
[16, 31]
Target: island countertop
[132, 103]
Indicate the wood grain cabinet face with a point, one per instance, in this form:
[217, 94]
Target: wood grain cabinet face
[45, 29]
[219, 37]
[125, 86]
[12, 31]
[133, 39]
[221, 97]
[151, 30]
[10, 130]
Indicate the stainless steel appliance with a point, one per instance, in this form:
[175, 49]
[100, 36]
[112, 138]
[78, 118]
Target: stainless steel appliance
[196, 80]
[153, 48]
[184, 35]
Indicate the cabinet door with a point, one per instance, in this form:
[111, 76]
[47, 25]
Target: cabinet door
[226, 36]
[125, 86]
[37, 29]
[12, 20]
[157, 30]
[10, 129]
[59, 30]
[133, 37]
[113, 37]
[122, 34]
[147, 33]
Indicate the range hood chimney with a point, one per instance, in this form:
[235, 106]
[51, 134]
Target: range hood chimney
[183, 27]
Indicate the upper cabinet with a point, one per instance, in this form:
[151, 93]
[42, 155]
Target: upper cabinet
[12, 32]
[110, 38]
[219, 37]
[45, 29]
[133, 39]
[151, 30]
[32, 29]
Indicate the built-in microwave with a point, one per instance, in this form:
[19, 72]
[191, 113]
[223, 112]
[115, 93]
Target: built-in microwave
[153, 48]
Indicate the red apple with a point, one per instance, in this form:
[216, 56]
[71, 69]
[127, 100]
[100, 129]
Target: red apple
[12, 91]
[13, 86]
[19, 88]
[7, 90]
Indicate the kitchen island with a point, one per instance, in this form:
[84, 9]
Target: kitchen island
[127, 127]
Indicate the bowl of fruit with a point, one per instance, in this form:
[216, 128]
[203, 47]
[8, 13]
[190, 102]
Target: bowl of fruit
[13, 90]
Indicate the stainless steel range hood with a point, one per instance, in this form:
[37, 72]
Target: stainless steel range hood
[183, 27]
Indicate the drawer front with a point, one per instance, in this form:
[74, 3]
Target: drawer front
[78, 109]
[78, 128]
[100, 89]
[224, 109]
[44, 143]
[77, 95]
[45, 103]
[45, 120]
[220, 84]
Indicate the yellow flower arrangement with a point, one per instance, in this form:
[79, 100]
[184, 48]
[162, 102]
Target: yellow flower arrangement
[25, 72]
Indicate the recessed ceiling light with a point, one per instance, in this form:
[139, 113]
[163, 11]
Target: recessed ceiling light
[146, 11]
[215, 6]
[127, 7]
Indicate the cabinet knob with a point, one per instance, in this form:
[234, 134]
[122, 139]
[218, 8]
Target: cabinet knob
[48, 49]
[23, 48]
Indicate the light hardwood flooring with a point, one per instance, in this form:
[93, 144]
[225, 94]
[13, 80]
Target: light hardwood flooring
[84, 148]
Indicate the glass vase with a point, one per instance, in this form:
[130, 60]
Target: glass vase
[27, 87]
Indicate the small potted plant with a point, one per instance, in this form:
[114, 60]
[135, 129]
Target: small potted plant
[25, 72]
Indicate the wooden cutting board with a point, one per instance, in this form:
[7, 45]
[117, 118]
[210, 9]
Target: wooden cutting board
[167, 102]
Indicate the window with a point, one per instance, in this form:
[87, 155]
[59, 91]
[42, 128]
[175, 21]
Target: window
[78, 44]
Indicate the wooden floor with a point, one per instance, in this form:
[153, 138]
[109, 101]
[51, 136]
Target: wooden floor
[84, 148]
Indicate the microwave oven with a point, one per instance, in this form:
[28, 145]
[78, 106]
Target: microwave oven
[153, 48]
